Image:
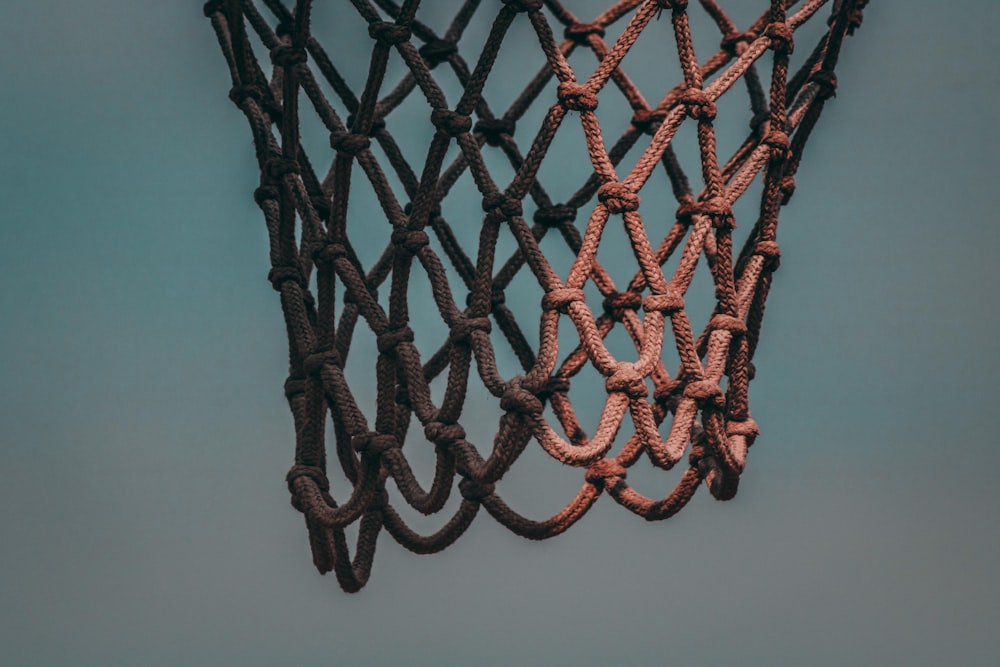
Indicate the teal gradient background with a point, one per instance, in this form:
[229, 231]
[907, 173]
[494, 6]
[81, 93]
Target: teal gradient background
[144, 436]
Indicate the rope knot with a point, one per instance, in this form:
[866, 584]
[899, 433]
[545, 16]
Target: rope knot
[313, 364]
[550, 216]
[699, 105]
[388, 341]
[463, 327]
[627, 381]
[373, 443]
[581, 32]
[825, 82]
[279, 275]
[560, 298]
[475, 491]
[214, 7]
[502, 205]
[436, 51]
[294, 386]
[574, 97]
[779, 143]
[618, 198]
[679, 5]
[279, 167]
[325, 252]
[518, 399]
[705, 392]
[315, 473]
[409, 240]
[265, 193]
[556, 384]
[241, 93]
[286, 55]
[388, 33]
[494, 129]
[780, 35]
[686, 211]
[616, 304]
[648, 120]
[720, 211]
[524, 5]
[441, 433]
[787, 189]
[602, 471]
[747, 428]
[664, 303]
[733, 325]
[349, 143]
[450, 122]
[731, 41]
[771, 253]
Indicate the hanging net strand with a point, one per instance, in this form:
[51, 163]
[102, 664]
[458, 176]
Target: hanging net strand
[677, 397]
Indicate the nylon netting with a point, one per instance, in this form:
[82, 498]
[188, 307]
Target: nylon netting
[676, 397]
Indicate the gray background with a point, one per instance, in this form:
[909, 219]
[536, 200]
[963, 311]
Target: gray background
[143, 514]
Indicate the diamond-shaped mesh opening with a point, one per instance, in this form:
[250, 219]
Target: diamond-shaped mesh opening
[507, 232]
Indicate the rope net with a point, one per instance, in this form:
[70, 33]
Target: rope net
[677, 397]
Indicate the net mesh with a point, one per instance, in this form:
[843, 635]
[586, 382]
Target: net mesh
[675, 396]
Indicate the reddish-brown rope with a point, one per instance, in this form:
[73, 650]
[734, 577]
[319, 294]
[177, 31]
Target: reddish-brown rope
[313, 258]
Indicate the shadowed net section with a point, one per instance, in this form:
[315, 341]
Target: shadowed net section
[602, 185]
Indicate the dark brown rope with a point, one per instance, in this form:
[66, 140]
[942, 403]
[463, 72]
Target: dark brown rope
[313, 258]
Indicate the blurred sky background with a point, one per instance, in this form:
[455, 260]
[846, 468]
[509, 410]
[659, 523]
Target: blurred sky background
[144, 436]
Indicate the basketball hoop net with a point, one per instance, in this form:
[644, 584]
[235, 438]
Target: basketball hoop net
[674, 396]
